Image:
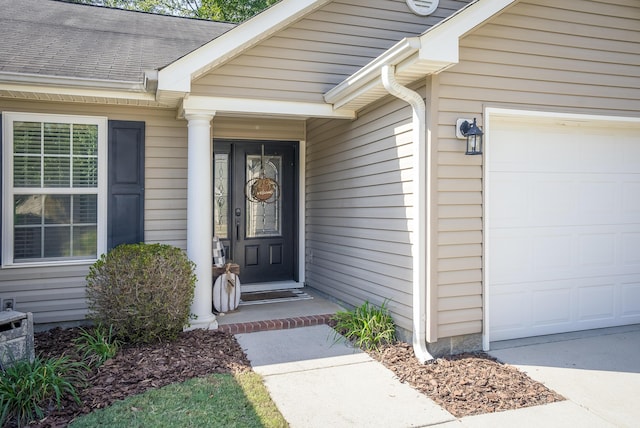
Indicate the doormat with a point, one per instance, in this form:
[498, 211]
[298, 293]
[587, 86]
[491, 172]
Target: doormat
[274, 296]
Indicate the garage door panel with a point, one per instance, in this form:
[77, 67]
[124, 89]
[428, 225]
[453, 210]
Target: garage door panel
[631, 250]
[512, 261]
[626, 141]
[552, 253]
[597, 250]
[554, 199]
[542, 254]
[631, 201]
[630, 305]
[596, 302]
[596, 198]
[511, 199]
[563, 226]
[515, 313]
[551, 305]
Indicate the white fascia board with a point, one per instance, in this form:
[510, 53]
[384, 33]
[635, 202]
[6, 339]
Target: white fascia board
[362, 79]
[178, 75]
[434, 51]
[219, 105]
[80, 92]
[78, 87]
[460, 23]
[8, 78]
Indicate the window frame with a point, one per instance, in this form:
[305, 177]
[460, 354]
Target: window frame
[8, 119]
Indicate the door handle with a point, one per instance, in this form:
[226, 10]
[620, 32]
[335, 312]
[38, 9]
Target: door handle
[238, 213]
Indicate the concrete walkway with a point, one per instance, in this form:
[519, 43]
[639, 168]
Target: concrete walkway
[317, 382]
[597, 371]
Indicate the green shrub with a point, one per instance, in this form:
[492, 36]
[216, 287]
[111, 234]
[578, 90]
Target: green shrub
[97, 345]
[27, 387]
[367, 326]
[143, 290]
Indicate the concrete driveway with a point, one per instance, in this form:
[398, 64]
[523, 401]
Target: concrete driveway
[598, 370]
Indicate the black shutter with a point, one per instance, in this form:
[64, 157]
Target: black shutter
[125, 223]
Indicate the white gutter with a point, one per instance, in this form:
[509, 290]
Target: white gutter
[362, 80]
[71, 82]
[78, 88]
[421, 212]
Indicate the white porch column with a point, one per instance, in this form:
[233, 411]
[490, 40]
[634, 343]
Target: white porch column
[200, 216]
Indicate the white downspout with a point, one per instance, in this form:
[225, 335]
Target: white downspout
[421, 214]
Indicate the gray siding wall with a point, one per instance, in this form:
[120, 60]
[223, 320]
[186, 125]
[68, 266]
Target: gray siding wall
[57, 293]
[358, 208]
[571, 56]
[307, 59]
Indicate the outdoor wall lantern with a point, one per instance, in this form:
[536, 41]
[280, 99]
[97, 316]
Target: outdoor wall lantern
[473, 134]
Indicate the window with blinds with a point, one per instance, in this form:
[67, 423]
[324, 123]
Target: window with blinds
[53, 188]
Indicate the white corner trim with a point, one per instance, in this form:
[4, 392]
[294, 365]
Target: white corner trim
[178, 75]
[203, 104]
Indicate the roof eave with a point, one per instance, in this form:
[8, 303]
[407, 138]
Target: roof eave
[76, 89]
[71, 82]
[177, 76]
[433, 52]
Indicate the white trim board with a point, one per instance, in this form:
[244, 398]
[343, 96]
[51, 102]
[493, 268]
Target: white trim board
[269, 286]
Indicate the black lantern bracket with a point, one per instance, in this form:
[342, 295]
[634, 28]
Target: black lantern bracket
[468, 129]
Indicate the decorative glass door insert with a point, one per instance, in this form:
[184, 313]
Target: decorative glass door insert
[263, 218]
[221, 196]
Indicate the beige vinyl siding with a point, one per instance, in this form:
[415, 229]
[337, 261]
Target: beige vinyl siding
[577, 56]
[358, 208]
[307, 59]
[56, 293]
[258, 129]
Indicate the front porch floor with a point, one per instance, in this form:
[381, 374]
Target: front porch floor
[280, 315]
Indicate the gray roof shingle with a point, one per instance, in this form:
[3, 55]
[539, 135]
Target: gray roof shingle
[53, 38]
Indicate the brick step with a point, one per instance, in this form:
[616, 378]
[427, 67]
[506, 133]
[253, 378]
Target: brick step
[277, 324]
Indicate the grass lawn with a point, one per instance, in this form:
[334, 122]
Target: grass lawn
[227, 400]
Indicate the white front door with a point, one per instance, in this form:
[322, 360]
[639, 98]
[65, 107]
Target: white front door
[563, 224]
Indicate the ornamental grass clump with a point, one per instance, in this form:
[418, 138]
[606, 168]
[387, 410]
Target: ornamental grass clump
[367, 326]
[27, 388]
[97, 345]
[143, 290]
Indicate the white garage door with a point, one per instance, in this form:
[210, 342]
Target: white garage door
[563, 224]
